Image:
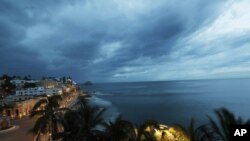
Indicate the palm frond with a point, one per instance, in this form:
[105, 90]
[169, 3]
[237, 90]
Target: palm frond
[39, 104]
[36, 113]
[40, 125]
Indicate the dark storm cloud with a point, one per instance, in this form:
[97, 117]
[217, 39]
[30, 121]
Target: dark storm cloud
[15, 58]
[82, 50]
[95, 39]
[157, 36]
[19, 61]
[157, 33]
[13, 11]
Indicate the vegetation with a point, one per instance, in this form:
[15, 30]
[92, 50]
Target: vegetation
[119, 130]
[81, 123]
[1, 109]
[29, 85]
[7, 86]
[218, 129]
[46, 110]
[86, 123]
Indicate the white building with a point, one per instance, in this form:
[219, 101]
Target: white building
[31, 91]
[39, 91]
[18, 82]
[53, 91]
[31, 81]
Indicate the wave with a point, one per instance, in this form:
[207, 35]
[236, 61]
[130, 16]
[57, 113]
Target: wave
[111, 111]
[102, 94]
[94, 100]
[169, 93]
[135, 87]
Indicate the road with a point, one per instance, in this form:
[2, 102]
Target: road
[21, 133]
[24, 125]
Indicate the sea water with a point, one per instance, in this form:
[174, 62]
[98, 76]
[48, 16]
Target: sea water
[172, 102]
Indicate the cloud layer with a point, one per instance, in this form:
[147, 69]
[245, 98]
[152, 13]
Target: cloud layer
[116, 40]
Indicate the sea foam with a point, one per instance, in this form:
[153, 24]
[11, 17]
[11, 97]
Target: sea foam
[111, 111]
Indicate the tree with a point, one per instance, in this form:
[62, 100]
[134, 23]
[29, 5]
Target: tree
[89, 119]
[29, 85]
[26, 78]
[81, 124]
[64, 79]
[197, 133]
[7, 86]
[1, 109]
[70, 126]
[120, 130]
[46, 109]
[220, 129]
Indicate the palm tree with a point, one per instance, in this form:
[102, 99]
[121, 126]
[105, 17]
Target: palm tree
[1, 109]
[90, 117]
[198, 133]
[81, 124]
[46, 110]
[70, 126]
[218, 130]
[120, 130]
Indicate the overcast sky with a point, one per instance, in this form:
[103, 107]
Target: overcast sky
[125, 40]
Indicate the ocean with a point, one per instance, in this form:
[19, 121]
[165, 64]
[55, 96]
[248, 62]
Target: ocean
[171, 102]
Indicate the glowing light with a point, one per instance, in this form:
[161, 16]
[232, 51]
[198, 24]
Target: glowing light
[165, 133]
